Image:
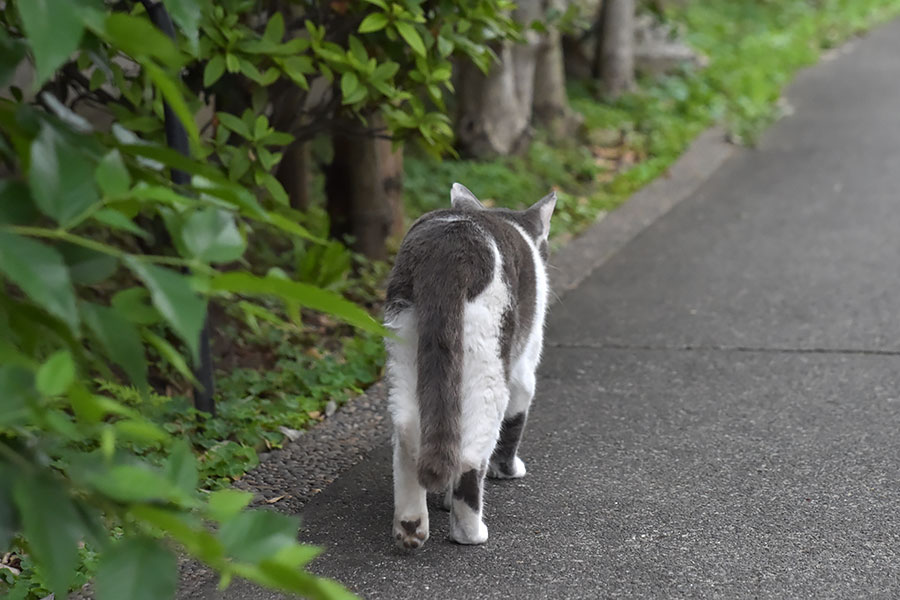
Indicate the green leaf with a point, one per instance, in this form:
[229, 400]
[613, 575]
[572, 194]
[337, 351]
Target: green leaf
[274, 29]
[274, 187]
[179, 526]
[232, 63]
[297, 67]
[140, 38]
[51, 525]
[137, 569]
[141, 430]
[277, 575]
[214, 70]
[373, 22]
[211, 235]
[12, 52]
[41, 273]
[301, 293]
[181, 468]
[92, 408]
[119, 339]
[61, 177]
[16, 205]
[172, 95]
[235, 124]
[131, 483]
[357, 51]
[291, 227]
[112, 175]
[260, 127]
[225, 504]
[115, 219]
[170, 355]
[87, 266]
[445, 46]
[176, 300]
[186, 14]
[134, 305]
[54, 31]
[257, 534]
[409, 33]
[296, 556]
[56, 374]
[171, 158]
[16, 392]
[349, 85]
[250, 70]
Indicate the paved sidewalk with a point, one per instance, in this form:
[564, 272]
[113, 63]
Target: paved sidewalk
[718, 412]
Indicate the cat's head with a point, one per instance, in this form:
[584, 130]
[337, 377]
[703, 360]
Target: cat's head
[535, 220]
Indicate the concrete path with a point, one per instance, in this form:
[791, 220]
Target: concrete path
[718, 413]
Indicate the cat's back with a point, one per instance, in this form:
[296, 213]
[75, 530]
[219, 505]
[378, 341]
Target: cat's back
[442, 248]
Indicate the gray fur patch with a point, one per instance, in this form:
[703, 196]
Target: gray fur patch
[468, 488]
[505, 452]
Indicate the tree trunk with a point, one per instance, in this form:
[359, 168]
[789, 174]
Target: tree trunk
[293, 174]
[614, 59]
[391, 176]
[494, 110]
[490, 119]
[550, 104]
[364, 187]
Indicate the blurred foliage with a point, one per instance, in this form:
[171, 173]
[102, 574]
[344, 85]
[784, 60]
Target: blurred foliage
[105, 261]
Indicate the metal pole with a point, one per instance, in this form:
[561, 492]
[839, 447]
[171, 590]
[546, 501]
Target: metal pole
[176, 138]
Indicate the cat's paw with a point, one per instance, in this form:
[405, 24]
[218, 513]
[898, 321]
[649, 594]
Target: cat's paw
[410, 533]
[507, 470]
[468, 535]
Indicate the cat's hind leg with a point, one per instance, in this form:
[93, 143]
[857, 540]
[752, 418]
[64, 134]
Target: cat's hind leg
[410, 525]
[505, 463]
[466, 524]
[410, 508]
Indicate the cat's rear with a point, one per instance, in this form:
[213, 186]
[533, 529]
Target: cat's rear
[465, 302]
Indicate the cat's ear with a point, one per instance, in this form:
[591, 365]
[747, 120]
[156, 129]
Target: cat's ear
[461, 198]
[542, 210]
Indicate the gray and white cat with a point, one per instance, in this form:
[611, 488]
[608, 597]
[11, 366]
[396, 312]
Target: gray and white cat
[466, 302]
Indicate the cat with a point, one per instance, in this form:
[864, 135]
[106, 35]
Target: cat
[466, 302]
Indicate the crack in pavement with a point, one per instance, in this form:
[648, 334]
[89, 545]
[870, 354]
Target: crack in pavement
[714, 348]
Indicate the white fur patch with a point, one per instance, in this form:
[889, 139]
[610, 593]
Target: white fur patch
[522, 381]
[401, 373]
[484, 391]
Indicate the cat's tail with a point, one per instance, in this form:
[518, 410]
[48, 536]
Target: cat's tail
[439, 312]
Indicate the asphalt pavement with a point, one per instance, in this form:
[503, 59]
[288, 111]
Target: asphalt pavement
[718, 409]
